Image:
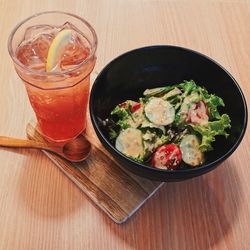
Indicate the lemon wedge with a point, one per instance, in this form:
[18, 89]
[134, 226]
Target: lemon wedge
[57, 48]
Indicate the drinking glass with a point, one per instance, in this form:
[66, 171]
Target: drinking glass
[59, 98]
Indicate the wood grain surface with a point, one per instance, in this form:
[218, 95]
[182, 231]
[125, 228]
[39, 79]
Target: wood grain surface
[116, 191]
[40, 208]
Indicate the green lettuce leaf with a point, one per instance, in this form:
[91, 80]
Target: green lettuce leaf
[213, 102]
[112, 134]
[122, 113]
[211, 130]
[188, 87]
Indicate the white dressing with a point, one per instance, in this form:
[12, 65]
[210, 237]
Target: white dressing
[129, 142]
[160, 112]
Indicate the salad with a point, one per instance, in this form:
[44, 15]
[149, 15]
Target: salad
[168, 126]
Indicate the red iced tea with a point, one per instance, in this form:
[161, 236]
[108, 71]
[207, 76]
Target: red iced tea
[59, 97]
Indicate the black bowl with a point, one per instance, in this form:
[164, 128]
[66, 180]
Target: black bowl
[127, 76]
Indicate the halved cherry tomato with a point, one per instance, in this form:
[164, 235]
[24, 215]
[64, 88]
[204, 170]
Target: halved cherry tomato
[135, 107]
[198, 113]
[167, 157]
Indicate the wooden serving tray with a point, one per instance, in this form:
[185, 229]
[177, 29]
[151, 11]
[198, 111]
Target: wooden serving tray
[116, 191]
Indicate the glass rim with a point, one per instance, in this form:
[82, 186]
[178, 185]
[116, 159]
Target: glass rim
[63, 72]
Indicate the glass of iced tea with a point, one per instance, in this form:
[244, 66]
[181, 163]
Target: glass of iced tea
[54, 55]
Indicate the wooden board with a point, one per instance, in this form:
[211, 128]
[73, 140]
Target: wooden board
[116, 191]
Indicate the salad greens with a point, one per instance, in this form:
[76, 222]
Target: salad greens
[169, 115]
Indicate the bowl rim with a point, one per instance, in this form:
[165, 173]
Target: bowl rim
[149, 168]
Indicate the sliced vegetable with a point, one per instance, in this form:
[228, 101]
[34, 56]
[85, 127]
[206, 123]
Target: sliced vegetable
[198, 114]
[135, 107]
[129, 142]
[167, 157]
[160, 112]
[190, 149]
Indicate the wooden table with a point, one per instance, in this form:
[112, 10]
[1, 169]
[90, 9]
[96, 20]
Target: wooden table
[40, 208]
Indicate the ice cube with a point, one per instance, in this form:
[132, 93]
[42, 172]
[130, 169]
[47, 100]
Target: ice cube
[34, 52]
[68, 25]
[75, 52]
[34, 31]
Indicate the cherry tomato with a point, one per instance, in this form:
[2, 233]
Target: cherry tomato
[135, 107]
[167, 157]
[198, 113]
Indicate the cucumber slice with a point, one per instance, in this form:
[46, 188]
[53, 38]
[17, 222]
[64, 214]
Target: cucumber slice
[129, 142]
[191, 153]
[159, 112]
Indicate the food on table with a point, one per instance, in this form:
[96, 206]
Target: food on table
[170, 127]
[191, 154]
[168, 155]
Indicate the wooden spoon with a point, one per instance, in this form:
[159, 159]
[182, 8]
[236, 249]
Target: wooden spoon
[75, 150]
